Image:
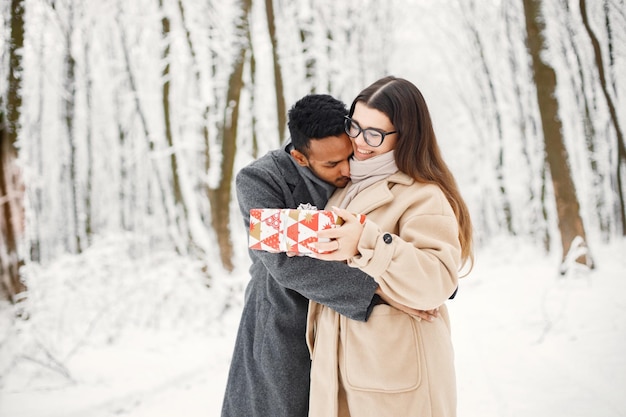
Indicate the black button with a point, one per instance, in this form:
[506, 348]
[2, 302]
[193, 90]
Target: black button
[387, 238]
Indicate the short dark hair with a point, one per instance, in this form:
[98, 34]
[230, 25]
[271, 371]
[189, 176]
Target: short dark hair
[315, 116]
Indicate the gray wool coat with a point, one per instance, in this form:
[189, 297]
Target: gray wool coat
[270, 367]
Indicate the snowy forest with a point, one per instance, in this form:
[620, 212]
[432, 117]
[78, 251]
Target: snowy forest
[124, 123]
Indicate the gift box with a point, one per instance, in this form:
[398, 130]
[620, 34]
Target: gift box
[290, 230]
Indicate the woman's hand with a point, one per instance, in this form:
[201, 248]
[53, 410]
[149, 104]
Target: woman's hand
[341, 241]
[428, 315]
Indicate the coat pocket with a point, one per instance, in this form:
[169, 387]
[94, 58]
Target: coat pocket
[382, 354]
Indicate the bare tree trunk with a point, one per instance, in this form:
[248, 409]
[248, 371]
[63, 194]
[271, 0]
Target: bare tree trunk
[491, 97]
[281, 108]
[214, 64]
[547, 240]
[310, 62]
[609, 39]
[206, 111]
[11, 186]
[36, 155]
[146, 131]
[253, 122]
[528, 135]
[89, 142]
[621, 149]
[124, 178]
[165, 99]
[586, 119]
[568, 209]
[220, 197]
[11, 218]
[180, 214]
[70, 106]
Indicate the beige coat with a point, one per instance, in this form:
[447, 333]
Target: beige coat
[394, 364]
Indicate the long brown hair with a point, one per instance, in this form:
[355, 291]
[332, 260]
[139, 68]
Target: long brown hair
[417, 153]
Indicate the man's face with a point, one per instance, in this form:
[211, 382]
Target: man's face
[328, 159]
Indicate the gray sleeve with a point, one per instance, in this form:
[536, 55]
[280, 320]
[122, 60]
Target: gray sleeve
[349, 291]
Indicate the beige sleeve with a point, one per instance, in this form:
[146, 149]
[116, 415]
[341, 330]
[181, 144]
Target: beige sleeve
[418, 267]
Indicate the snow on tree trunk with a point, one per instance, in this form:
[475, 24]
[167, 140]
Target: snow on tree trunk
[568, 209]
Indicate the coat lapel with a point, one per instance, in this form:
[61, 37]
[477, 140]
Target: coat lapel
[372, 197]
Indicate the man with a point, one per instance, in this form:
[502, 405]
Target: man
[269, 372]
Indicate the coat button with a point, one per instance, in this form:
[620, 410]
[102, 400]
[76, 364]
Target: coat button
[387, 238]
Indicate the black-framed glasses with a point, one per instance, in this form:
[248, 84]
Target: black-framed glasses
[372, 137]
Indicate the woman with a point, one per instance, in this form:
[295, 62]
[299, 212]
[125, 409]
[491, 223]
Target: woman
[417, 237]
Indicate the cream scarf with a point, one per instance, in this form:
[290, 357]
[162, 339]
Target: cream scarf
[365, 173]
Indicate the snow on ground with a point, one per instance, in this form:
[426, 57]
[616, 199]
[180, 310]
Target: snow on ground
[528, 342]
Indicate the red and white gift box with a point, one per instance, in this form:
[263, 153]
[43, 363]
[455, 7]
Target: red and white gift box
[290, 230]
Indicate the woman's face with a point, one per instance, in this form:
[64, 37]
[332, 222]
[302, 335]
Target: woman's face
[367, 118]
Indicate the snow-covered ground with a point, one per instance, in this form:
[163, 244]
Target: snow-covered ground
[528, 343]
